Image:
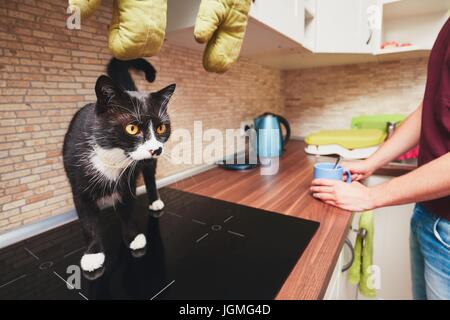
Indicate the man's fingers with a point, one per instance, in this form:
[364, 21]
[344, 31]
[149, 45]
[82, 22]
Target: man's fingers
[324, 196]
[331, 203]
[324, 182]
[320, 189]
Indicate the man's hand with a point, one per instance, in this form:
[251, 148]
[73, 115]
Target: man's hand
[360, 170]
[351, 197]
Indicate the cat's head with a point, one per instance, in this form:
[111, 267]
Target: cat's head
[137, 123]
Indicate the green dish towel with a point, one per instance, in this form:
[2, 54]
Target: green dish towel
[376, 121]
[359, 272]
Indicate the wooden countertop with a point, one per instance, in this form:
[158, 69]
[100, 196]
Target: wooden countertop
[288, 193]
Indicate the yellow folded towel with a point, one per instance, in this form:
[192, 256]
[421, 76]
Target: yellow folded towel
[359, 273]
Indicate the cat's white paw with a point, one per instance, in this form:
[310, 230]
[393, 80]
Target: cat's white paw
[139, 242]
[156, 205]
[92, 261]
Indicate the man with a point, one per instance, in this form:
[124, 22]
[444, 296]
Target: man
[429, 185]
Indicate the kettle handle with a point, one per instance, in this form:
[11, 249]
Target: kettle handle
[286, 125]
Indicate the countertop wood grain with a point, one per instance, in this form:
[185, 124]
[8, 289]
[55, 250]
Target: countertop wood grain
[288, 193]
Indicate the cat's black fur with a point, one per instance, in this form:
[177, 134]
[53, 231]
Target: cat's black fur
[100, 126]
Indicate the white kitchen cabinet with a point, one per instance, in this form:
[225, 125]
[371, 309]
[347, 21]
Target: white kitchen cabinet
[292, 34]
[361, 26]
[285, 17]
[343, 26]
[339, 288]
[391, 254]
[273, 27]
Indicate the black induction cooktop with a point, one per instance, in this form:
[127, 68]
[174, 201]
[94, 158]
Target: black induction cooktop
[198, 248]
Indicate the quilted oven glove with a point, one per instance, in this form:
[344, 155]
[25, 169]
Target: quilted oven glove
[137, 27]
[221, 24]
[87, 7]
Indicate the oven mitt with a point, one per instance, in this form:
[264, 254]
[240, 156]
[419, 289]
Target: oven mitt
[221, 24]
[87, 7]
[137, 27]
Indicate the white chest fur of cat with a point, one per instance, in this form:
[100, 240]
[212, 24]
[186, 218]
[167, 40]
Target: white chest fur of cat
[109, 162]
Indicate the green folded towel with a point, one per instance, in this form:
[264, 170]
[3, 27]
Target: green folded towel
[359, 272]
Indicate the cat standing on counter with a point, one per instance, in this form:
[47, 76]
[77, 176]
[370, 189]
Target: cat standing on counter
[107, 145]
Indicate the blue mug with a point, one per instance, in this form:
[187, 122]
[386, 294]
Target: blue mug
[327, 171]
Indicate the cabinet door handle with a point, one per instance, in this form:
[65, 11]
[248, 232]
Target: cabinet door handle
[362, 233]
[352, 257]
[370, 37]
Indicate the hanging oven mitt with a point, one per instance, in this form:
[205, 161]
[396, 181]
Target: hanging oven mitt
[137, 28]
[221, 24]
[87, 7]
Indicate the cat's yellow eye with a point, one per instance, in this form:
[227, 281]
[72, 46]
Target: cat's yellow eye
[161, 129]
[132, 129]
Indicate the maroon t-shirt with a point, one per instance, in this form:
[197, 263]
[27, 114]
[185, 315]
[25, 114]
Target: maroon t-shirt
[435, 133]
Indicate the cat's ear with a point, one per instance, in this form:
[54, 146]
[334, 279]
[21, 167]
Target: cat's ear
[163, 96]
[107, 91]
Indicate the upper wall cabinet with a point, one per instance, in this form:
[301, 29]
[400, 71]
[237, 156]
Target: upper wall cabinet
[344, 26]
[273, 27]
[283, 16]
[378, 26]
[285, 33]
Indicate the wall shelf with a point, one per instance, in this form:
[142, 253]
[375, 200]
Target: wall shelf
[412, 21]
[395, 50]
[407, 8]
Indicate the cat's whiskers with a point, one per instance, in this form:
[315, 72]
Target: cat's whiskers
[168, 157]
[167, 154]
[136, 111]
[130, 162]
[164, 118]
[128, 111]
[130, 174]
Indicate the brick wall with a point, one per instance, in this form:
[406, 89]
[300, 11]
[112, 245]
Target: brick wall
[48, 72]
[325, 98]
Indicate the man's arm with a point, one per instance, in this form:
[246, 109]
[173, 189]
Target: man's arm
[428, 182]
[404, 138]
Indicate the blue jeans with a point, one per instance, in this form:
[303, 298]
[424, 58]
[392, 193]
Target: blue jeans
[430, 255]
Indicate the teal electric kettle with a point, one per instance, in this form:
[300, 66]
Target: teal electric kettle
[270, 140]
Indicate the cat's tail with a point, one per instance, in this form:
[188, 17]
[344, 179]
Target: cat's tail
[118, 70]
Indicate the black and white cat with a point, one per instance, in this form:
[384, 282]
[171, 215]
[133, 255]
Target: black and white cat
[107, 145]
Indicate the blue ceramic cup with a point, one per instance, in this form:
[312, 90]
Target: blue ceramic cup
[327, 171]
